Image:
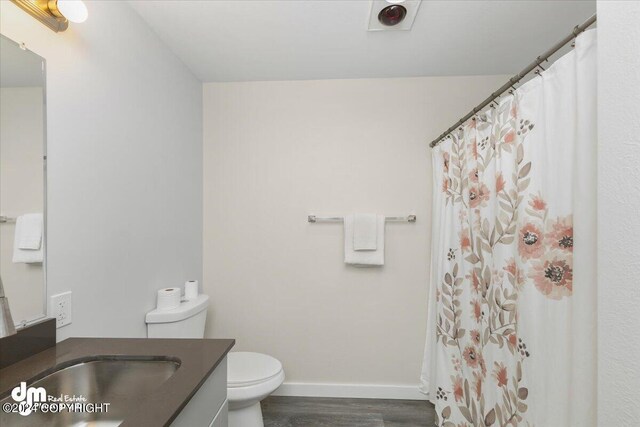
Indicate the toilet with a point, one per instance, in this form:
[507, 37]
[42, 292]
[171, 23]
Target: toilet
[250, 376]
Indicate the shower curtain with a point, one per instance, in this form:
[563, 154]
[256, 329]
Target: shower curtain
[511, 335]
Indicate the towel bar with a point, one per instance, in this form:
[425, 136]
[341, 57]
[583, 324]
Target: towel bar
[313, 218]
[6, 219]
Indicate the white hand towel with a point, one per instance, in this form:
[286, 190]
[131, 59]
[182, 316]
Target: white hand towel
[26, 237]
[365, 229]
[29, 231]
[363, 258]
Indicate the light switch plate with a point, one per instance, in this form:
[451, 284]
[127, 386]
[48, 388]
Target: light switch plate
[61, 308]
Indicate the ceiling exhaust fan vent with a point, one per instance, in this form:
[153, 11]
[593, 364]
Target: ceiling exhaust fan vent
[393, 15]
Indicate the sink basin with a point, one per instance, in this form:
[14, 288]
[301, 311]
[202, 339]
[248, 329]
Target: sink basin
[121, 382]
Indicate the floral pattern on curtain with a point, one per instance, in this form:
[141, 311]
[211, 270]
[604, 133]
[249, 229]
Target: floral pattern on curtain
[503, 326]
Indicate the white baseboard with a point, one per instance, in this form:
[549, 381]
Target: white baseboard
[368, 391]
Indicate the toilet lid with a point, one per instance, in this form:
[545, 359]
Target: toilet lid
[245, 368]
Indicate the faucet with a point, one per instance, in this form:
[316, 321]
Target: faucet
[7, 327]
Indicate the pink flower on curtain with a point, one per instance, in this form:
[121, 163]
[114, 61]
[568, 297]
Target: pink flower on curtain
[473, 175]
[499, 183]
[537, 203]
[530, 244]
[477, 310]
[471, 356]
[512, 340]
[483, 366]
[500, 374]
[512, 269]
[561, 234]
[457, 364]
[509, 137]
[475, 282]
[553, 275]
[465, 240]
[478, 196]
[458, 390]
[478, 378]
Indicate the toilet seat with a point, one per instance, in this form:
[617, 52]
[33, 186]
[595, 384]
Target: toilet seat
[250, 378]
[246, 369]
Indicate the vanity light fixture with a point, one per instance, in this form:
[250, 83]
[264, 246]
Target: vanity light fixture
[55, 14]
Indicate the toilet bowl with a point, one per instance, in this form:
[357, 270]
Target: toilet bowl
[250, 378]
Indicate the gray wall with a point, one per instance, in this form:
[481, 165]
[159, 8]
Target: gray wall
[618, 207]
[125, 176]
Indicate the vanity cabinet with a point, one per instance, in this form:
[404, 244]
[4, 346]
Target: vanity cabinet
[208, 407]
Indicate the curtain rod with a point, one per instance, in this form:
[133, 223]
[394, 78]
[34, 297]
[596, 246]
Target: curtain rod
[515, 79]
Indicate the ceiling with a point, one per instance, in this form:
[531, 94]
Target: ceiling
[248, 40]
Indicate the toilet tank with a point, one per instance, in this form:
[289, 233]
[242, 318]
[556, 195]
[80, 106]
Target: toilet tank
[185, 321]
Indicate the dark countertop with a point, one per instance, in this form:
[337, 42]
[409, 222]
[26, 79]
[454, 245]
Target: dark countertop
[198, 357]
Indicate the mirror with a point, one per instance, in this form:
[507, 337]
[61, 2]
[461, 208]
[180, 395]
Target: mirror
[22, 181]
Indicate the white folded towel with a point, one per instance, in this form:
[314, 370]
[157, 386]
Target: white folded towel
[27, 242]
[365, 229]
[29, 231]
[367, 257]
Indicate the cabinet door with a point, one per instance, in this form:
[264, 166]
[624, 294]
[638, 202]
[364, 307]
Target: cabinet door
[206, 405]
[222, 419]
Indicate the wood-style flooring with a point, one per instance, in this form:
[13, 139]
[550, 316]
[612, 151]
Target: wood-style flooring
[330, 412]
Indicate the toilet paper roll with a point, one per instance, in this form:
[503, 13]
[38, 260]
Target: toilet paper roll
[191, 290]
[168, 298]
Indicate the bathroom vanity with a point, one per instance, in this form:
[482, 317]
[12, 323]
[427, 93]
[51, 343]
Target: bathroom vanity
[147, 382]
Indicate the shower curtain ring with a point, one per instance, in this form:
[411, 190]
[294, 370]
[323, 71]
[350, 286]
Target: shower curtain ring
[539, 62]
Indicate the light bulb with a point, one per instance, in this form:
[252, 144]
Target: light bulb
[73, 10]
